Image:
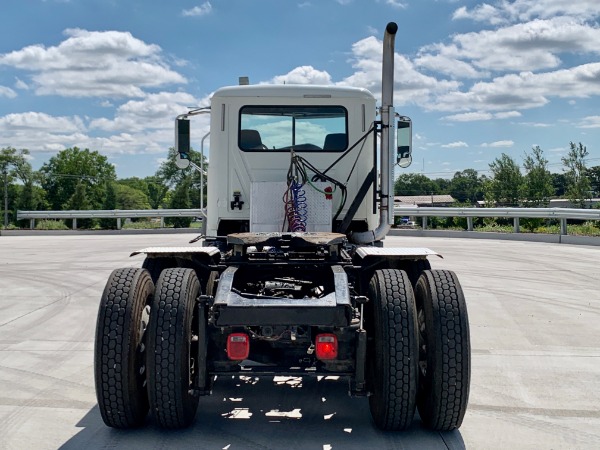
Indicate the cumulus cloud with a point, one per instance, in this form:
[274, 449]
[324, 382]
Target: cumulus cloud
[590, 122]
[529, 46]
[94, 63]
[411, 86]
[457, 144]
[303, 75]
[469, 117]
[524, 90]
[156, 111]
[7, 92]
[502, 11]
[40, 121]
[202, 10]
[499, 144]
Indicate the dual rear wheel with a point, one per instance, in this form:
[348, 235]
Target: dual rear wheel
[419, 351]
[145, 355]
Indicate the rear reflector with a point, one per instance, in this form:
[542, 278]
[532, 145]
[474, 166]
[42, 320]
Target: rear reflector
[238, 346]
[326, 346]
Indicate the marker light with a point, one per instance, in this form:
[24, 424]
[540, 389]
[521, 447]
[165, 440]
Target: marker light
[238, 346]
[326, 346]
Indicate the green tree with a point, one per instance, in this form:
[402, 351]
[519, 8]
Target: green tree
[181, 200]
[172, 176]
[156, 191]
[504, 186]
[559, 184]
[593, 174]
[466, 186]
[110, 203]
[130, 198]
[79, 201]
[578, 184]
[414, 184]
[537, 182]
[14, 165]
[73, 166]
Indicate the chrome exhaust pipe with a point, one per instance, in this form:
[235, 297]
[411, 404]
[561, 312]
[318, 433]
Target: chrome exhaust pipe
[386, 207]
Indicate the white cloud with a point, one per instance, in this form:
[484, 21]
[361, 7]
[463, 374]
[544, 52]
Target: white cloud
[411, 86]
[20, 84]
[469, 117]
[457, 144]
[197, 11]
[89, 63]
[7, 92]
[396, 3]
[590, 122]
[499, 144]
[503, 11]
[481, 13]
[507, 114]
[524, 90]
[14, 123]
[303, 75]
[156, 111]
[527, 46]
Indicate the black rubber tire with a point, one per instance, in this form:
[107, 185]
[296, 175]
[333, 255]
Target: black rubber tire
[392, 354]
[416, 268]
[172, 351]
[119, 351]
[445, 350]
[156, 265]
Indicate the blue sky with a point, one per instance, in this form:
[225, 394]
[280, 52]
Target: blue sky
[478, 79]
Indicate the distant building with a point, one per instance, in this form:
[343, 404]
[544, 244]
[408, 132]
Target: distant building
[560, 203]
[423, 200]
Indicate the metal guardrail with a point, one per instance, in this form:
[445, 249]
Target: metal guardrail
[561, 214]
[118, 214]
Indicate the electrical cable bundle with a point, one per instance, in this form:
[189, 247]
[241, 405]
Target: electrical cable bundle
[295, 206]
[294, 197]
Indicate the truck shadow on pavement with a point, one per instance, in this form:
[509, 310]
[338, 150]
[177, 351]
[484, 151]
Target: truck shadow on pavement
[246, 412]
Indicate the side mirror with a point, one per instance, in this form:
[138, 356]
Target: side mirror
[404, 142]
[182, 137]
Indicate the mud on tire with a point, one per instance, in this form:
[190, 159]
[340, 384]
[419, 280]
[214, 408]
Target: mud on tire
[444, 352]
[119, 352]
[392, 353]
[172, 351]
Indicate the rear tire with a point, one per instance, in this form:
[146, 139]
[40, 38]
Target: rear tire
[156, 265]
[392, 354]
[172, 351]
[445, 350]
[119, 352]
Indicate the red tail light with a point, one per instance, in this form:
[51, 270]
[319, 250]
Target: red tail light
[326, 346]
[238, 346]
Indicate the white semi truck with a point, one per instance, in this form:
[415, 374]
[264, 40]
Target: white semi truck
[292, 277]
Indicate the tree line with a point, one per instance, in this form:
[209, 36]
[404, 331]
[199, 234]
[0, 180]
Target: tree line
[81, 179]
[509, 184]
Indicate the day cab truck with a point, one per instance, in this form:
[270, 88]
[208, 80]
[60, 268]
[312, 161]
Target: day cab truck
[292, 277]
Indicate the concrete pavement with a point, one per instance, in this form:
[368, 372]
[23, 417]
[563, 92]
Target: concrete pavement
[534, 312]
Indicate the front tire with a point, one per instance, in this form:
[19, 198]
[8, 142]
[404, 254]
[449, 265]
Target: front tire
[119, 351]
[172, 348]
[392, 354]
[445, 350]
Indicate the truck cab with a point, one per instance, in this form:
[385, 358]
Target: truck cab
[255, 130]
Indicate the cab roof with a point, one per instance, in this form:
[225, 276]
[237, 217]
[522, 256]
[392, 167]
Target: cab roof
[293, 90]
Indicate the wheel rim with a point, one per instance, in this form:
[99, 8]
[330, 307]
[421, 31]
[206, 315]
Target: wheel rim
[422, 342]
[141, 352]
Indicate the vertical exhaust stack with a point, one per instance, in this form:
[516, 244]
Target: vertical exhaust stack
[386, 207]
